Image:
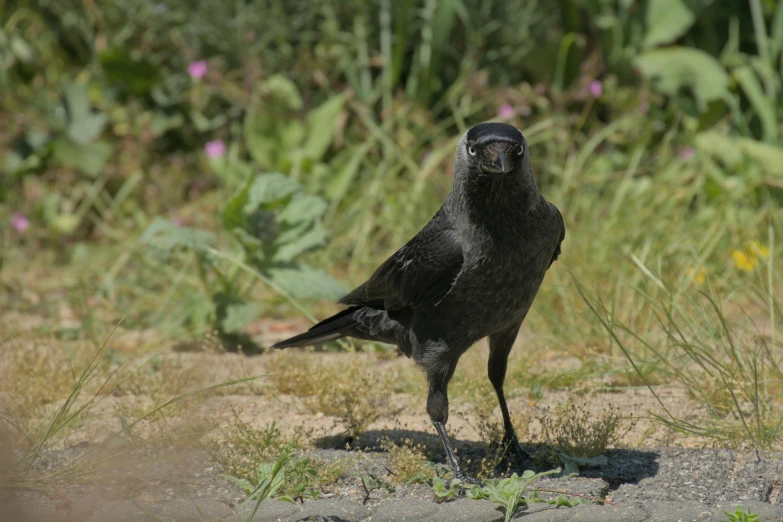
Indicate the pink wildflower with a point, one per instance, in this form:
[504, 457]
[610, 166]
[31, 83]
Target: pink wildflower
[596, 88]
[215, 149]
[197, 69]
[19, 222]
[506, 111]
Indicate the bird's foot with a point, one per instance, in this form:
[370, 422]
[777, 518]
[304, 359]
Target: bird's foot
[514, 453]
[465, 478]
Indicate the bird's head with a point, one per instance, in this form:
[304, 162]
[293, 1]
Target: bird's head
[492, 172]
[493, 149]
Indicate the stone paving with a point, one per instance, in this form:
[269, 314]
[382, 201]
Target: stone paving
[665, 485]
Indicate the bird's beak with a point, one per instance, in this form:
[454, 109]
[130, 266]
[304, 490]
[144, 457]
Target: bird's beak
[498, 166]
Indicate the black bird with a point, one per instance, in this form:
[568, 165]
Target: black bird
[471, 272]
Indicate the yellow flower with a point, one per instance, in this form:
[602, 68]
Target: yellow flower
[744, 261]
[756, 248]
[699, 274]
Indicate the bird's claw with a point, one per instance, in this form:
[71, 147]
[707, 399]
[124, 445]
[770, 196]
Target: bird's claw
[465, 481]
[514, 452]
[465, 478]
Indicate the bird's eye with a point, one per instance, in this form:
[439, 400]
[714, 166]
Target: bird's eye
[472, 151]
[521, 150]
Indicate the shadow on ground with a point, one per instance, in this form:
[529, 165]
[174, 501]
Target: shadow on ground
[626, 466]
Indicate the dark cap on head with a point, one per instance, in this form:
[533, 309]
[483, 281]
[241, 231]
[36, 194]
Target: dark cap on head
[493, 132]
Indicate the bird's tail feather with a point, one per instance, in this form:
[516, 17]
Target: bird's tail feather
[329, 329]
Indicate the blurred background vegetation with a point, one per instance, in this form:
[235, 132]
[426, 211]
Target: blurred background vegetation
[190, 160]
[230, 166]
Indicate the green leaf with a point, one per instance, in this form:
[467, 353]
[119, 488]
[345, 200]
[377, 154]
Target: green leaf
[233, 215]
[286, 498]
[262, 133]
[303, 208]
[21, 49]
[306, 283]
[249, 242]
[321, 125]
[262, 224]
[83, 126]
[283, 91]
[162, 123]
[65, 223]
[734, 150]
[342, 178]
[564, 501]
[476, 493]
[291, 135]
[232, 171]
[269, 126]
[666, 21]
[166, 237]
[234, 314]
[269, 188]
[675, 68]
[130, 74]
[571, 464]
[763, 106]
[310, 240]
[242, 484]
[89, 159]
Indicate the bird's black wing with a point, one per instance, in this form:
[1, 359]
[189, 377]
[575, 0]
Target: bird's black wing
[420, 273]
[561, 224]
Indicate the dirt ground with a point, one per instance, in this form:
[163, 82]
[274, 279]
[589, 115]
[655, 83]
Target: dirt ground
[167, 471]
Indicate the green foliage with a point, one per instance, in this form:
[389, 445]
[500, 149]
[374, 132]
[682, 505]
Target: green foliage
[676, 68]
[509, 493]
[666, 21]
[740, 515]
[302, 475]
[269, 478]
[446, 489]
[736, 382]
[571, 464]
[346, 98]
[277, 140]
[371, 483]
[577, 433]
[272, 223]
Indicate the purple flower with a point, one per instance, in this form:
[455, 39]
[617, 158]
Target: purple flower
[197, 69]
[20, 222]
[686, 153]
[596, 88]
[177, 221]
[506, 111]
[215, 149]
[644, 107]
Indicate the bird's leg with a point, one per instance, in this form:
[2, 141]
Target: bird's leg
[499, 347]
[450, 456]
[438, 410]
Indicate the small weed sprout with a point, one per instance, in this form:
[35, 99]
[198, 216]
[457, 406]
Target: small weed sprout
[576, 434]
[740, 515]
[301, 477]
[372, 483]
[485, 419]
[354, 403]
[509, 493]
[245, 447]
[408, 463]
[445, 490]
[345, 390]
[269, 478]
